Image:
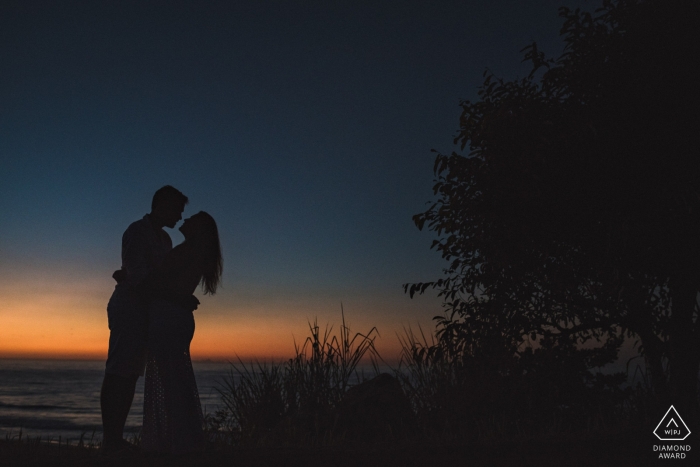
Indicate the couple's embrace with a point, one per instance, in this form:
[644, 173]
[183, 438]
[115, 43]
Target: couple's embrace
[151, 325]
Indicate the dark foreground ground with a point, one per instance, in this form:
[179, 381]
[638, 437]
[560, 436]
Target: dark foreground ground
[632, 448]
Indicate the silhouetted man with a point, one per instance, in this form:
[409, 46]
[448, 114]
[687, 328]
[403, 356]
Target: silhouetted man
[144, 245]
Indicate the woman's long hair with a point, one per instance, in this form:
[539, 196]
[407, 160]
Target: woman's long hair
[208, 248]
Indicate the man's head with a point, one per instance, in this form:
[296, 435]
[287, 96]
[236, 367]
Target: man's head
[167, 206]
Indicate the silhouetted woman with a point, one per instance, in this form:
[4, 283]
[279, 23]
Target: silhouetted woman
[172, 414]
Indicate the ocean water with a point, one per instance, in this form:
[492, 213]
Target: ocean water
[52, 398]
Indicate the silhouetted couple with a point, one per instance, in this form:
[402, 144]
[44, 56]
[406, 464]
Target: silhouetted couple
[151, 326]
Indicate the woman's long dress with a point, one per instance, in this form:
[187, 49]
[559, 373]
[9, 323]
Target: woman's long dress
[172, 413]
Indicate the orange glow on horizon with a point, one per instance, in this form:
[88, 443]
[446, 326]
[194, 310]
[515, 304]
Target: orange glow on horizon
[42, 320]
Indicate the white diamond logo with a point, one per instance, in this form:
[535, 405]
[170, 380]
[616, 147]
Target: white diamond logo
[672, 427]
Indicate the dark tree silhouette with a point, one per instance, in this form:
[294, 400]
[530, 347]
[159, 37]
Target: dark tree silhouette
[575, 214]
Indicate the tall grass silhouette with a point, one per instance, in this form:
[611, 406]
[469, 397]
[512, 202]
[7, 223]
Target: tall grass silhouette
[272, 403]
[452, 394]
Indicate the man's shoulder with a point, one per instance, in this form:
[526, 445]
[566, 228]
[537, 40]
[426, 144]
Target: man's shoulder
[140, 225]
[143, 228]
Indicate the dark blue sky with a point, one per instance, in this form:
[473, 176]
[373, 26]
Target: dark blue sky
[304, 128]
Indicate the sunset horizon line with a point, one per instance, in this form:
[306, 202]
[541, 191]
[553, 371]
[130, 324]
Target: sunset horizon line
[272, 359]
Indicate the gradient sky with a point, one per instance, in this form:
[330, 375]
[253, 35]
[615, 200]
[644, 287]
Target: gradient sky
[304, 128]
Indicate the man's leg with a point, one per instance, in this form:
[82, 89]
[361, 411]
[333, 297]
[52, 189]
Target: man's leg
[115, 401]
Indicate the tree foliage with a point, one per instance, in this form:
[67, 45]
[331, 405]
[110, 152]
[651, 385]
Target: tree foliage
[573, 213]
